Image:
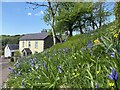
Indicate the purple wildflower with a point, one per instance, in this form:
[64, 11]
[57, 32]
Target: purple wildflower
[32, 64]
[22, 84]
[10, 69]
[29, 69]
[65, 50]
[113, 75]
[45, 65]
[59, 68]
[19, 73]
[89, 45]
[83, 49]
[54, 51]
[96, 86]
[112, 54]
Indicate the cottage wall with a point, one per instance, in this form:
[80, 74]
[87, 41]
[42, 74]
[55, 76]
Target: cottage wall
[7, 52]
[48, 42]
[32, 47]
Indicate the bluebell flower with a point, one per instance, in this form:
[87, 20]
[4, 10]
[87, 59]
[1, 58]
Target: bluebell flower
[19, 73]
[91, 52]
[54, 51]
[65, 50]
[22, 84]
[89, 41]
[45, 65]
[83, 49]
[59, 68]
[29, 69]
[37, 66]
[96, 86]
[89, 45]
[112, 54]
[113, 75]
[11, 70]
[32, 64]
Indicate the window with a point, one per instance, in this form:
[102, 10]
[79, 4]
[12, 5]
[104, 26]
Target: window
[29, 45]
[23, 44]
[36, 44]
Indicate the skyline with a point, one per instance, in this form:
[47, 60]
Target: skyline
[17, 18]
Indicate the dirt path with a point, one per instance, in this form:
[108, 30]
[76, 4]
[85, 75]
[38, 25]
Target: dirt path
[4, 75]
[4, 72]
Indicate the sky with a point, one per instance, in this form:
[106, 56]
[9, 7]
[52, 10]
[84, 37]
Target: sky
[18, 18]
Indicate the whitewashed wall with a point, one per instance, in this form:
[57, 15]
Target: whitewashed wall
[7, 52]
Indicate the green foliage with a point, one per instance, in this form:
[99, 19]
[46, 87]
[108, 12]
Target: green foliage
[17, 54]
[7, 39]
[117, 13]
[1, 53]
[80, 62]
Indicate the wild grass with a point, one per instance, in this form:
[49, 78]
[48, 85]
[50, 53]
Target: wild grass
[83, 61]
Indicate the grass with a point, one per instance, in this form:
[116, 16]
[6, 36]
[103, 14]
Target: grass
[83, 61]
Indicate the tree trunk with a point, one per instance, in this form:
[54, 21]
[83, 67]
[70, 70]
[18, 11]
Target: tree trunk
[80, 27]
[100, 12]
[53, 31]
[52, 16]
[92, 20]
[100, 22]
[71, 34]
[96, 25]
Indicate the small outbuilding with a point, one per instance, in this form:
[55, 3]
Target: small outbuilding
[10, 49]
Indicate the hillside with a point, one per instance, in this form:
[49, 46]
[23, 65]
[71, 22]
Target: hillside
[7, 39]
[83, 61]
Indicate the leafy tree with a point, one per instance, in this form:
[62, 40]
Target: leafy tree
[101, 13]
[117, 13]
[44, 30]
[71, 16]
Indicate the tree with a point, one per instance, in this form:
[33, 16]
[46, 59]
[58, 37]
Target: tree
[71, 16]
[100, 13]
[52, 9]
[44, 30]
[117, 13]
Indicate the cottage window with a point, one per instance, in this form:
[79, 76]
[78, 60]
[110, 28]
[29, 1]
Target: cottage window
[36, 44]
[29, 44]
[23, 44]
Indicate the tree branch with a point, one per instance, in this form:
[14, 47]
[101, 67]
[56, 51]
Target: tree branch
[36, 5]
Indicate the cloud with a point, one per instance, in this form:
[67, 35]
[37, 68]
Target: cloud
[39, 13]
[29, 14]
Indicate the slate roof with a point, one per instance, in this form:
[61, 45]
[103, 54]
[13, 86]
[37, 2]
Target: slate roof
[35, 36]
[26, 49]
[13, 46]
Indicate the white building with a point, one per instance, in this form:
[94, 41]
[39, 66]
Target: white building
[10, 49]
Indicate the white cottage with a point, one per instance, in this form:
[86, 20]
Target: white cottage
[10, 49]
